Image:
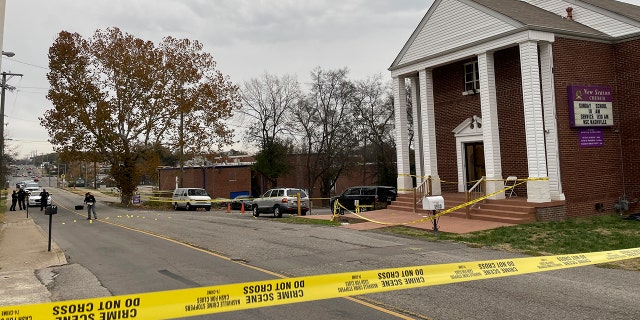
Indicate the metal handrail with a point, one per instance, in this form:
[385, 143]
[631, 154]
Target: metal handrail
[478, 190]
[424, 189]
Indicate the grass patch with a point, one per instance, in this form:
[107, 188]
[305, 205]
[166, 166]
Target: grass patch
[297, 220]
[600, 233]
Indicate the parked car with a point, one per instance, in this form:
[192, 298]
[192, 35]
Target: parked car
[80, 182]
[236, 203]
[31, 185]
[191, 199]
[374, 196]
[22, 184]
[220, 202]
[33, 199]
[281, 200]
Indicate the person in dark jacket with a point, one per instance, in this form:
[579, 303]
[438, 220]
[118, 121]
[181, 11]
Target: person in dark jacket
[14, 200]
[21, 197]
[44, 197]
[90, 201]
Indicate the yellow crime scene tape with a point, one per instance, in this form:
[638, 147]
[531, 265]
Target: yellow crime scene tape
[259, 294]
[337, 205]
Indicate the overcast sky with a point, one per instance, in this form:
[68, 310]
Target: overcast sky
[245, 37]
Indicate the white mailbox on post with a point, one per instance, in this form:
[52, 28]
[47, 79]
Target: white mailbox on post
[433, 203]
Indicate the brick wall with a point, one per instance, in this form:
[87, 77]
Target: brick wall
[589, 175]
[451, 108]
[219, 181]
[223, 180]
[557, 213]
[628, 86]
[513, 143]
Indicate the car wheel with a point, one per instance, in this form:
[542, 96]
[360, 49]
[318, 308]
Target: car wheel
[304, 213]
[175, 206]
[276, 212]
[254, 211]
[188, 207]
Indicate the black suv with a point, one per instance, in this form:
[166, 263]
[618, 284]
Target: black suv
[367, 195]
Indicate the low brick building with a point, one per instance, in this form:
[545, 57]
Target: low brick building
[235, 176]
[536, 89]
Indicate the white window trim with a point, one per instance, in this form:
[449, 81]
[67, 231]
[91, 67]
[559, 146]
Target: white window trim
[471, 87]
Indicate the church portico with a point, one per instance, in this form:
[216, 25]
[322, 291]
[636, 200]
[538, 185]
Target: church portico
[493, 95]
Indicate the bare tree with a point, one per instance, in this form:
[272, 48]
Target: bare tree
[267, 103]
[325, 120]
[373, 108]
[267, 106]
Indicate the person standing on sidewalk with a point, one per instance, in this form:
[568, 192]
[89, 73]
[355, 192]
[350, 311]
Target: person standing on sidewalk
[90, 201]
[14, 200]
[21, 196]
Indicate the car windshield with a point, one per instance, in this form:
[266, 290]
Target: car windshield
[197, 192]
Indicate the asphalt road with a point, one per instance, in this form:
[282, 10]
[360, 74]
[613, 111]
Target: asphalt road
[129, 261]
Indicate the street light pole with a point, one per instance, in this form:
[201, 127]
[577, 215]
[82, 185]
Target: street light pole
[4, 86]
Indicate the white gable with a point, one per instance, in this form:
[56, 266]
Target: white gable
[469, 127]
[604, 21]
[450, 24]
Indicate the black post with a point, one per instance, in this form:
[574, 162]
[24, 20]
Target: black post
[435, 223]
[50, 211]
[50, 221]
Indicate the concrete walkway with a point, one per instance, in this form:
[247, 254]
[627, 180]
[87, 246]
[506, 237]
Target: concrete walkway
[24, 249]
[384, 218]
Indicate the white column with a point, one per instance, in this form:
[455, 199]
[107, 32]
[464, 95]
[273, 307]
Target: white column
[417, 128]
[429, 155]
[490, 132]
[405, 184]
[537, 190]
[550, 121]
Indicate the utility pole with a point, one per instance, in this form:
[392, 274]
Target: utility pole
[3, 165]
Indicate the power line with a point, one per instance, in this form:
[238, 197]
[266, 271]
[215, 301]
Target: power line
[29, 64]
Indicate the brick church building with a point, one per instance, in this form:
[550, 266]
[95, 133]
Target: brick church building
[545, 90]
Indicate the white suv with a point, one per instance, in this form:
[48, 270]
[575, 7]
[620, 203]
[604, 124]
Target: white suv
[281, 200]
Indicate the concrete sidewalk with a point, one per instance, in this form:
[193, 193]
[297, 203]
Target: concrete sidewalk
[24, 249]
[377, 219]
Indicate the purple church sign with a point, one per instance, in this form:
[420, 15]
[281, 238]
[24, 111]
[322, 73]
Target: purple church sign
[591, 137]
[590, 106]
